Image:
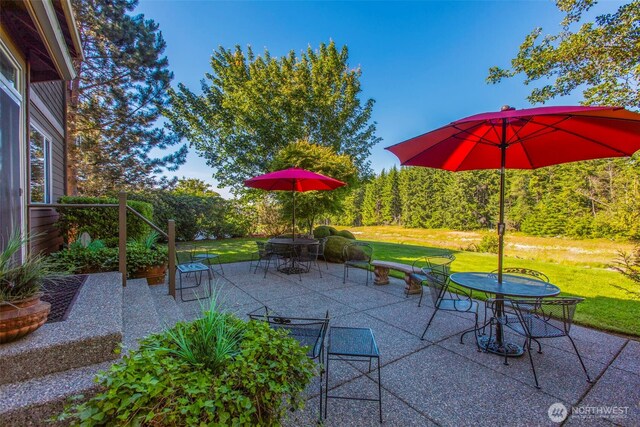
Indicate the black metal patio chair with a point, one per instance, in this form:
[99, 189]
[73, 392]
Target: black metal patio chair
[322, 244]
[309, 257]
[357, 255]
[546, 318]
[508, 314]
[263, 257]
[444, 299]
[438, 263]
[309, 332]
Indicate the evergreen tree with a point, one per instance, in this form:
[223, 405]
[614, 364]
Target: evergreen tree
[391, 204]
[115, 101]
[372, 201]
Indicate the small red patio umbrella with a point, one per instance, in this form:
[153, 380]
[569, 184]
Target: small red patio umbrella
[524, 139]
[294, 180]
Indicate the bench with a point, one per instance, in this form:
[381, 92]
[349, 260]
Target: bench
[381, 271]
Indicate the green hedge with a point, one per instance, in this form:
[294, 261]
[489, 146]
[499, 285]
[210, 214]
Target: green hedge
[346, 234]
[101, 223]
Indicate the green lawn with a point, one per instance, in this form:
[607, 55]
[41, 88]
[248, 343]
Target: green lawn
[606, 306]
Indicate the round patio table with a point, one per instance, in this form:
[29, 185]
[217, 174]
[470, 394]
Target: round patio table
[294, 246]
[511, 286]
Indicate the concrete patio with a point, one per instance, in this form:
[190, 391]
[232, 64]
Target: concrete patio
[439, 381]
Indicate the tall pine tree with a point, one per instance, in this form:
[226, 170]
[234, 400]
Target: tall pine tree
[115, 101]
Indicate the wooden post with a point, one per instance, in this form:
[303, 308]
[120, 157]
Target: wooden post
[122, 236]
[171, 228]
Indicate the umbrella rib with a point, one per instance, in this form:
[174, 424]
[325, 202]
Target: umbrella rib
[602, 144]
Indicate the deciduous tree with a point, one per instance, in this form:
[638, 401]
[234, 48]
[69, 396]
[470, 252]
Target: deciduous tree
[251, 107]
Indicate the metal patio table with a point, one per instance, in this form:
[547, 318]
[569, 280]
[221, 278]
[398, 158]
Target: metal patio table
[512, 286]
[352, 344]
[292, 265]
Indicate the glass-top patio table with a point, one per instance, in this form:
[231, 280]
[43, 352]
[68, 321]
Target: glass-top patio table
[292, 248]
[511, 286]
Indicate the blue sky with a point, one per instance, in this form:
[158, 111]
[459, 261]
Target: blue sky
[424, 63]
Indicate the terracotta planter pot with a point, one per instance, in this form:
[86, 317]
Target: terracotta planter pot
[155, 275]
[22, 317]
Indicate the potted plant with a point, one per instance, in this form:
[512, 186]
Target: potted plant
[21, 277]
[145, 258]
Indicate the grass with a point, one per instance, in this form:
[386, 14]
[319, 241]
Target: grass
[577, 267]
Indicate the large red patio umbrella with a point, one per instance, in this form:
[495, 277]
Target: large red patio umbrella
[294, 180]
[524, 139]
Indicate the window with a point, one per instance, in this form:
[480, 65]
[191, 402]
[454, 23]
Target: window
[10, 139]
[39, 166]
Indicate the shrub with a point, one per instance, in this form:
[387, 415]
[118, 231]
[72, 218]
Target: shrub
[101, 223]
[334, 247]
[321, 232]
[95, 258]
[197, 216]
[346, 234]
[253, 381]
[332, 230]
[489, 243]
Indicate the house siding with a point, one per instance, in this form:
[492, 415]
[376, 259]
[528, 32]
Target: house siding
[47, 111]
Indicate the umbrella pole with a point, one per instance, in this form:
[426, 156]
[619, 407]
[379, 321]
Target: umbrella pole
[293, 222]
[501, 225]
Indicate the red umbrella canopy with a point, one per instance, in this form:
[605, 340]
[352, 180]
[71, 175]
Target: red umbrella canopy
[294, 179]
[534, 137]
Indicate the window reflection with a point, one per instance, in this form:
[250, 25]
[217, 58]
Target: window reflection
[39, 166]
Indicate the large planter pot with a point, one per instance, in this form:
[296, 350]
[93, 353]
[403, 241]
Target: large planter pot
[22, 317]
[154, 274]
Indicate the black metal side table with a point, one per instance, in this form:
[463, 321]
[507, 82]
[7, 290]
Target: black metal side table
[352, 344]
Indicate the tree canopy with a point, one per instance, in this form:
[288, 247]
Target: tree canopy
[251, 107]
[115, 101]
[312, 205]
[600, 58]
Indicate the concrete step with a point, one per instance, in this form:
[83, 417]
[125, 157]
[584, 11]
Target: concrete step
[33, 402]
[90, 335]
[166, 306]
[139, 314]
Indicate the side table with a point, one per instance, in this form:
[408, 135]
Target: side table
[352, 344]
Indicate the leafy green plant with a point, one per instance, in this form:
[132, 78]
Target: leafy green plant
[159, 384]
[22, 276]
[489, 244]
[346, 234]
[140, 256]
[94, 258]
[101, 223]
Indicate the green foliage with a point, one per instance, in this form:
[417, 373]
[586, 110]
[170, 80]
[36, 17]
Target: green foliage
[312, 205]
[490, 244]
[94, 258]
[101, 223]
[197, 216]
[254, 106]
[140, 255]
[332, 230]
[598, 198]
[600, 58]
[22, 276]
[321, 231]
[629, 265]
[115, 101]
[193, 187]
[334, 248]
[346, 234]
[209, 342]
[162, 384]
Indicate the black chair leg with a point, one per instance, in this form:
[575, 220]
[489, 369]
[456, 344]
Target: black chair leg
[429, 323]
[584, 368]
[533, 368]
